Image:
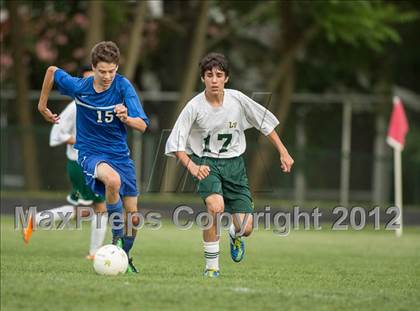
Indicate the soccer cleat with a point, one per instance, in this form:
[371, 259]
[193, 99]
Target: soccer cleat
[84, 202]
[131, 268]
[90, 257]
[237, 248]
[212, 273]
[72, 199]
[117, 241]
[27, 232]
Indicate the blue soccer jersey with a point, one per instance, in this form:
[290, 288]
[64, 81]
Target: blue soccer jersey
[98, 129]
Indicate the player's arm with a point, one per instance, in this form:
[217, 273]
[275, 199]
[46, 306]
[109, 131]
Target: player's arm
[131, 112]
[136, 123]
[45, 92]
[62, 133]
[285, 159]
[177, 142]
[198, 171]
[265, 121]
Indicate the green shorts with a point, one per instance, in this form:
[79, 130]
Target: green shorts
[228, 178]
[79, 187]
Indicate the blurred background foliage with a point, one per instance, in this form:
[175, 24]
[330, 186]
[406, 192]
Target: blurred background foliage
[278, 47]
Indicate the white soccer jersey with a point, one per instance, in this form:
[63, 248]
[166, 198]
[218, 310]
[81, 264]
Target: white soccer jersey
[61, 132]
[218, 132]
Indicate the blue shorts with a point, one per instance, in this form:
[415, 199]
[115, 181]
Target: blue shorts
[123, 166]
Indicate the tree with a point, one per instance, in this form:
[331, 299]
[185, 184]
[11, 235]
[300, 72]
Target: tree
[197, 49]
[357, 23]
[24, 110]
[95, 31]
[135, 41]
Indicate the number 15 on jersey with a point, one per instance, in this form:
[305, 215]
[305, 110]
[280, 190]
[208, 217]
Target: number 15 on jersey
[107, 116]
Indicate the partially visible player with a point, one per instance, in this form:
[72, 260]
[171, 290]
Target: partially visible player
[208, 138]
[65, 133]
[106, 104]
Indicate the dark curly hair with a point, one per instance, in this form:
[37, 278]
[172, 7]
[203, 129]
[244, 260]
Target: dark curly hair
[212, 60]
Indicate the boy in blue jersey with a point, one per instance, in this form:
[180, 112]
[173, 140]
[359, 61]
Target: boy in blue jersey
[106, 104]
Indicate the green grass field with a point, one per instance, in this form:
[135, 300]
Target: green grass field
[310, 270]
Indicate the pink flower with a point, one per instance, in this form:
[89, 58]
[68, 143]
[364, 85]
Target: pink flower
[79, 53]
[61, 39]
[45, 51]
[6, 60]
[81, 20]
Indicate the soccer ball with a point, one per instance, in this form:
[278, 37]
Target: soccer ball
[110, 260]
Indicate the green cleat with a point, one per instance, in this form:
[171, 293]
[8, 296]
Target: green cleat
[211, 273]
[131, 268]
[117, 241]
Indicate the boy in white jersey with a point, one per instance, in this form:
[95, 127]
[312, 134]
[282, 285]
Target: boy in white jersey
[208, 138]
[65, 133]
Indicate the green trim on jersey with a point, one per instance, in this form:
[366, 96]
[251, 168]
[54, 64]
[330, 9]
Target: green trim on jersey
[228, 178]
[80, 189]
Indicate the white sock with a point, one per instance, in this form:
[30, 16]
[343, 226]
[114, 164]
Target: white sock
[62, 209]
[232, 230]
[97, 232]
[211, 254]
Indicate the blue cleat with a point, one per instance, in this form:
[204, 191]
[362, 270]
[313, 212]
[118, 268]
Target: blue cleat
[237, 248]
[211, 273]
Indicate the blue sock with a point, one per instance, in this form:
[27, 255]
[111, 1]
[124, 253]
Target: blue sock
[117, 220]
[128, 243]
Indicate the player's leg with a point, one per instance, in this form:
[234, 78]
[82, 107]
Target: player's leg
[75, 174]
[242, 224]
[210, 190]
[130, 208]
[112, 183]
[98, 228]
[241, 227]
[129, 193]
[215, 206]
[99, 218]
[238, 202]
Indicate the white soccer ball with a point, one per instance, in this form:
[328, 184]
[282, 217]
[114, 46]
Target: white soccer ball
[110, 260]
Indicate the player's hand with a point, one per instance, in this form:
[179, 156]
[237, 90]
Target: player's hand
[49, 116]
[286, 162]
[121, 112]
[199, 172]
